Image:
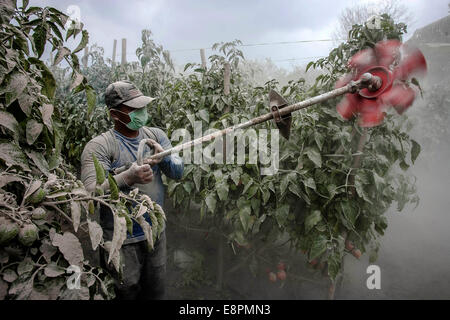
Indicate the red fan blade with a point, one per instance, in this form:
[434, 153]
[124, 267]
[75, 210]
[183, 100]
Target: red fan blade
[413, 64]
[362, 59]
[387, 52]
[400, 97]
[372, 119]
[348, 106]
[371, 113]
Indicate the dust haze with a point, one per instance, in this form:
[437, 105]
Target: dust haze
[415, 251]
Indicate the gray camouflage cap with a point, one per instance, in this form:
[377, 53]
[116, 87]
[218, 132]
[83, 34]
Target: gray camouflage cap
[125, 92]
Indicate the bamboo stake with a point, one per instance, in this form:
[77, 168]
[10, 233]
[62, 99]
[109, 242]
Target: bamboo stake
[226, 79]
[351, 181]
[226, 92]
[124, 51]
[114, 53]
[85, 57]
[203, 58]
[220, 262]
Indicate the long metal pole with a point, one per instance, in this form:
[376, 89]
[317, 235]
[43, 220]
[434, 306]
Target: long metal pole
[254, 121]
[352, 87]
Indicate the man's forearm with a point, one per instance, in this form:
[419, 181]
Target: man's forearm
[172, 166]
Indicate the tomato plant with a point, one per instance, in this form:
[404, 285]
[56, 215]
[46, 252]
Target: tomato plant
[44, 208]
[329, 197]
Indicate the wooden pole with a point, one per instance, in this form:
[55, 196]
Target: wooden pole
[203, 57]
[226, 79]
[124, 51]
[220, 262]
[85, 57]
[114, 53]
[351, 181]
[226, 92]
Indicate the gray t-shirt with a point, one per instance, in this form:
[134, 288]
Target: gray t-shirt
[114, 150]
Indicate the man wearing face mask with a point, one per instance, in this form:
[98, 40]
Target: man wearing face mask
[143, 271]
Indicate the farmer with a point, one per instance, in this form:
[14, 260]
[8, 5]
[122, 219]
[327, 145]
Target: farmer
[143, 271]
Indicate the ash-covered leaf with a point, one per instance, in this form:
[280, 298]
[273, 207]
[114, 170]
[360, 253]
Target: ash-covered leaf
[312, 220]
[95, 233]
[91, 99]
[204, 115]
[75, 211]
[373, 256]
[211, 201]
[284, 184]
[310, 183]
[113, 188]
[99, 170]
[314, 156]
[47, 250]
[153, 219]
[90, 280]
[39, 39]
[235, 176]
[415, 150]
[9, 275]
[98, 297]
[16, 85]
[32, 187]
[379, 181]
[318, 247]
[52, 270]
[119, 236]
[75, 294]
[115, 258]
[26, 102]
[197, 179]
[57, 194]
[25, 266]
[160, 210]
[8, 121]
[334, 265]
[79, 192]
[161, 222]
[39, 160]
[147, 201]
[70, 247]
[245, 217]
[7, 8]
[53, 287]
[84, 41]
[222, 191]
[22, 287]
[147, 231]
[49, 87]
[62, 52]
[3, 289]
[282, 214]
[142, 209]
[33, 130]
[13, 156]
[77, 80]
[47, 112]
[39, 295]
[6, 178]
